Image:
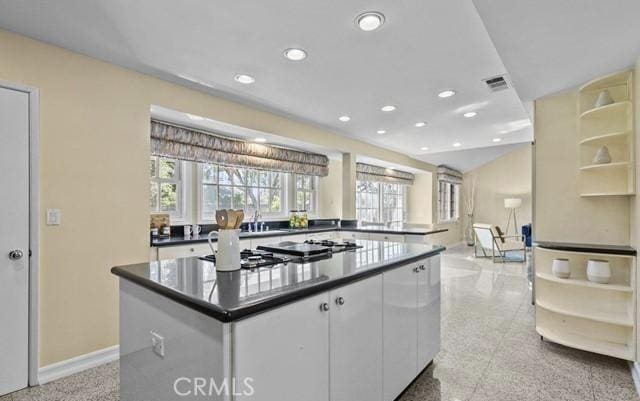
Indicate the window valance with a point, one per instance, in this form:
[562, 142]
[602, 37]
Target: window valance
[367, 172]
[183, 143]
[449, 175]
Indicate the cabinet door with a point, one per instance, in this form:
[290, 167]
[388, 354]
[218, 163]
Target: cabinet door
[356, 341]
[286, 352]
[400, 327]
[428, 311]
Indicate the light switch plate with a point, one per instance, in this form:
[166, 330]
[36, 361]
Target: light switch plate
[157, 344]
[53, 217]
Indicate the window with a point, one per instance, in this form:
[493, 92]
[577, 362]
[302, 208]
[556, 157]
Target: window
[167, 189]
[239, 188]
[380, 202]
[448, 196]
[305, 192]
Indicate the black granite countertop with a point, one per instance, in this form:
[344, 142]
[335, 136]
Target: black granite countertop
[592, 248]
[181, 240]
[229, 296]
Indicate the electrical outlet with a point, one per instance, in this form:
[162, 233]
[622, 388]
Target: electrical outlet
[157, 344]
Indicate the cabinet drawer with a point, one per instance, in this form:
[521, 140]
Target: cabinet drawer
[322, 236]
[386, 237]
[354, 235]
[184, 251]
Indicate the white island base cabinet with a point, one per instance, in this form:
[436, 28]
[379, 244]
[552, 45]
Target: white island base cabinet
[364, 341]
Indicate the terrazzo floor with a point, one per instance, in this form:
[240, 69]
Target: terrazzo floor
[490, 350]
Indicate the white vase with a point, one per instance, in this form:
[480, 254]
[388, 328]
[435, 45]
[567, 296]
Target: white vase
[604, 98]
[598, 271]
[561, 268]
[228, 256]
[602, 156]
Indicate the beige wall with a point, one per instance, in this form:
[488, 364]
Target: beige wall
[505, 177]
[420, 200]
[94, 127]
[562, 215]
[330, 191]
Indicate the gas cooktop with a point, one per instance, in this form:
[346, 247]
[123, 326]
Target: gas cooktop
[252, 259]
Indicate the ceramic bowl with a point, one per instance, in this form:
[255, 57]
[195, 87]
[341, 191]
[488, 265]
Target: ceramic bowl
[598, 271]
[560, 268]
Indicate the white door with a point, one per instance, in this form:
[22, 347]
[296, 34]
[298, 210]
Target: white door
[356, 341]
[14, 239]
[400, 327]
[286, 352]
[428, 311]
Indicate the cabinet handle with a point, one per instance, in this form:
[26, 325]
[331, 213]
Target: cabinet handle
[422, 267]
[192, 250]
[339, 301]
[324, 307]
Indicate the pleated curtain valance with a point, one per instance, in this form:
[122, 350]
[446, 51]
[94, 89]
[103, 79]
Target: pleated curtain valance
[183, 143]
[449, 175]
[367, 172]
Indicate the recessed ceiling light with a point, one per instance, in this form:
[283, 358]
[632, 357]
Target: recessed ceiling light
[504, 131]
[381, 131]
[424, 148]
[260, 140]
[470, 114]
[447, 93]
[370, 21]
[294, 54]
[420, 124]
[344, 119]
[497, 139]
[244, 79]
[388, 107]
[457, 144]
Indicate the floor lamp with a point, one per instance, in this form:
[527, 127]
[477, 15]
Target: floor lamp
[512, 204]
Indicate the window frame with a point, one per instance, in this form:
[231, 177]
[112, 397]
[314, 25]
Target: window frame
[183, 191]
[203, 218]
[452, 213]
[314, 191]
[380, 206]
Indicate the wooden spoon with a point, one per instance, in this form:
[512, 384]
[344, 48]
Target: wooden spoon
[222, 219]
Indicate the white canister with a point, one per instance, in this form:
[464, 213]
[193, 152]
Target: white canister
[228, 256]
[604, 98]
[561, 268]
[598, 271]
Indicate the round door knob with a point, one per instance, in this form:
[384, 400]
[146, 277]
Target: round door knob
[339, 301]
[16, 254]
[422, 267]
[324, 307]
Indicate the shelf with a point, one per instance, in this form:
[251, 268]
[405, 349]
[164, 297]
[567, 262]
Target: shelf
[609, 318]
[587, 344]
[604, 166]
[585, 283]
[605, 138]
[610, 108]
[620, 78]
[594, 194]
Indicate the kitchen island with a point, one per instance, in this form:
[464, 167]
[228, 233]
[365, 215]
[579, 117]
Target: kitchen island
[358, 325]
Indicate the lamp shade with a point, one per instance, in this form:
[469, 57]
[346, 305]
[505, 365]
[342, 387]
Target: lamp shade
[512, 203]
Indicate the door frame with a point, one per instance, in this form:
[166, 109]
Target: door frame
[34, 223]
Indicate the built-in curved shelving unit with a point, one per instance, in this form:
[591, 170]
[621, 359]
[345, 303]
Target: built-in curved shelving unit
[582, 314]
[609, 126]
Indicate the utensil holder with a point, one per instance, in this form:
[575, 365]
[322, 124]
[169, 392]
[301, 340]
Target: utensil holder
[228, 256]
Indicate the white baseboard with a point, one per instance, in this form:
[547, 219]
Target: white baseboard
[66, 368]
[635, 373]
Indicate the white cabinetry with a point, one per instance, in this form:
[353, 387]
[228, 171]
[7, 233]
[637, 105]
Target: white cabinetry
[356, 341]
[428, 311]
[386, 237]
[353, 235]
[263, 241]
[411, 322]
[183, 251]
[286, 352]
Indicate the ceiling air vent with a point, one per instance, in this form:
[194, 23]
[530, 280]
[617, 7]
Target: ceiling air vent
[496, 83]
